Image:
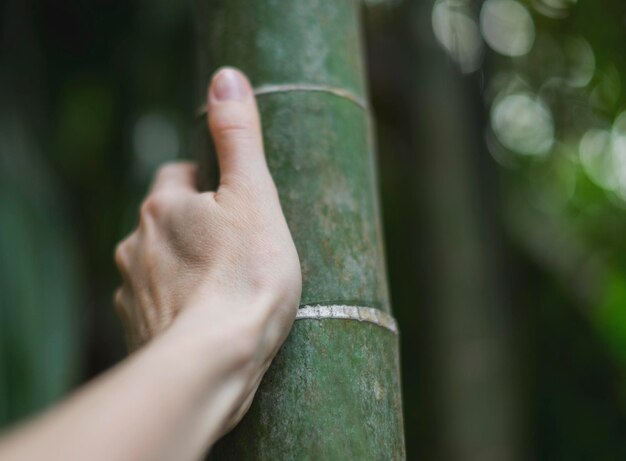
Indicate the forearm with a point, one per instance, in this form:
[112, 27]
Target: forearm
[211, 287]
[167, 401]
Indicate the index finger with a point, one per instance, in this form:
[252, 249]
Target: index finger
[176, 175]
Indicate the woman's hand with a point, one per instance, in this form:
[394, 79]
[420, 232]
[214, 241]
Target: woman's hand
[211, 284]
[215, 268]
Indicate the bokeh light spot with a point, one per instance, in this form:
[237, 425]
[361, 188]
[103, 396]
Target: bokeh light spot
[603, 156]
[554, 8]
[458, 33]
[581, 61]
[523, 123]
[595, 156]
[507, 27]
[618, 151]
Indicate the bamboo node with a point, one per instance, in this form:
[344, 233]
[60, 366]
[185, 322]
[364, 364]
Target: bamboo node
[344, 312]
[303, 87]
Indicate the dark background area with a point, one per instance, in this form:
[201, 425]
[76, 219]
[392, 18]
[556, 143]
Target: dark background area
[502, 160]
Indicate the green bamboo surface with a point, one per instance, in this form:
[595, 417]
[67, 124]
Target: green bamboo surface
[333, 391]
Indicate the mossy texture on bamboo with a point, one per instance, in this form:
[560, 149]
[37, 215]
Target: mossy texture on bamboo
[331, 394]
[282, 41]
[333, 390]
[320, 157]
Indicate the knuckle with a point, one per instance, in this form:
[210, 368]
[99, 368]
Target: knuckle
[121, 254]
[233, 125]
[154, 205]
[148, 258]
[117, 298]
[146, 209]
[118, 301]
[167, 169]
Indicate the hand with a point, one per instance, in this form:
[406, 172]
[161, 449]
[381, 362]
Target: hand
[220, 267]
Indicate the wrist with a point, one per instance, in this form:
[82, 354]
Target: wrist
[198, 367]
[219, 336]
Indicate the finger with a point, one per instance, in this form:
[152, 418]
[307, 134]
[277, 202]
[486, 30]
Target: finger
[120, 300]
[125, 251]
[235, 126]
[123, 255]
[176, 176]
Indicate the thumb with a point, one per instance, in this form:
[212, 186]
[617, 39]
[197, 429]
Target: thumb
[235, 126]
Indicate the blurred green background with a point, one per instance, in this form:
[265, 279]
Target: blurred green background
[501, 128]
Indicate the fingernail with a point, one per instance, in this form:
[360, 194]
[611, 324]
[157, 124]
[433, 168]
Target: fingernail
[229, 85]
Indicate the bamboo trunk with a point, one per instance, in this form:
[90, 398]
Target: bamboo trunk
[472, 347]
[333, 391]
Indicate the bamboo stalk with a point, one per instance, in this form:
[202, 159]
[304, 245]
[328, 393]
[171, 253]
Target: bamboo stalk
[333, 391]
[477, 379]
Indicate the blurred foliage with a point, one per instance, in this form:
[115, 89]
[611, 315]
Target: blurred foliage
[550, 75]
[95, 95]
[523, 154]
[40, 327]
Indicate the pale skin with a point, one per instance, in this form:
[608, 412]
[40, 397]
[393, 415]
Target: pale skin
[211, 287]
